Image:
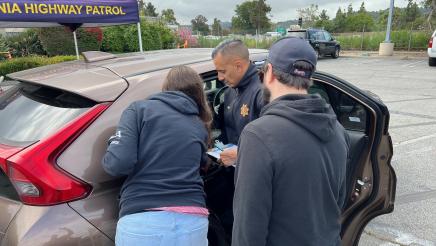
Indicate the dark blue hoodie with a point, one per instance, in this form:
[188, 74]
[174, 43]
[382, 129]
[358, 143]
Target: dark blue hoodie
[159, 145]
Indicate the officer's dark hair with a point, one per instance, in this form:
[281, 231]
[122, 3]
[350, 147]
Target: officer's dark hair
[292, 80]
[232, 47]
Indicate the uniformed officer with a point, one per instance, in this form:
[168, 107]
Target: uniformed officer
[243, 100]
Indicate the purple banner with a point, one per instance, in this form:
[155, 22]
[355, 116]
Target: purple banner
[69, 11]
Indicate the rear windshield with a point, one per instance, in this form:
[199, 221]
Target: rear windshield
[297, 34]
[30, 112]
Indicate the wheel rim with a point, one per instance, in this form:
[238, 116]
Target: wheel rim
[337, 52]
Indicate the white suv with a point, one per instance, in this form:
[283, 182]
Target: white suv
[432, 50]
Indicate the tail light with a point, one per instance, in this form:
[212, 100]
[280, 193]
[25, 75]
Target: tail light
[34, 173]
[5, 153]
[430, 43]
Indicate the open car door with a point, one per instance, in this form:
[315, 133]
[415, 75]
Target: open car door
[371, 180]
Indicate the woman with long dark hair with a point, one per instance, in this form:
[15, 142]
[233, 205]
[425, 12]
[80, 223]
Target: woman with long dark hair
[160, 144]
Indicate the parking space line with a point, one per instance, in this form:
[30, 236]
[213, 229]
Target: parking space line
[415, 140]
[413, 64]
[423, 116]
[416, 124]
[415, 197]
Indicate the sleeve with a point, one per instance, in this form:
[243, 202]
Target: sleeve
[122, 153]
[253, 192]
[343, 189]
[259, 102]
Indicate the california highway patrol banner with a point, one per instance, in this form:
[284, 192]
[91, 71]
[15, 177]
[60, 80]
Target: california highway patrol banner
[69, 11]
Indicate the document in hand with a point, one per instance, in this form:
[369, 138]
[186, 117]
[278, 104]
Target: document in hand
[216, 152]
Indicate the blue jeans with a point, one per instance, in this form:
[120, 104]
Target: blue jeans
[162, 228]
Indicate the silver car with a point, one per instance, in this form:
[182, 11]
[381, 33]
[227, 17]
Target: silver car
[55, 122]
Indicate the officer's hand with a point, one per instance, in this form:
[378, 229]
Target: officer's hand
[228, 156]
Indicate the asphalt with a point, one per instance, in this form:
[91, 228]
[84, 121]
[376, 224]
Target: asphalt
[407, 85]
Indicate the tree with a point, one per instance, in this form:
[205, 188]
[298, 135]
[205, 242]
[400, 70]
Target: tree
[141, 7]
[150, 10]
[169, 17]
[362, 8]
[411, 15]
[3, 46]
[431, 16]
[309, 15]
[217, 30]
[396, 19]
[324, 21]
[350, 10]
[340, 21]
[251, 16]
[199, 24]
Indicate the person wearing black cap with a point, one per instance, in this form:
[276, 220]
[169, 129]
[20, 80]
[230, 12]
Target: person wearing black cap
[290, 172]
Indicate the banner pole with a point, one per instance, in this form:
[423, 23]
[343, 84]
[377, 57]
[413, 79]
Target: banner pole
[75, 44]
[140, 37]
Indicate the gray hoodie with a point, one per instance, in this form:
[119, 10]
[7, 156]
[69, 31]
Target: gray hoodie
[290, 175]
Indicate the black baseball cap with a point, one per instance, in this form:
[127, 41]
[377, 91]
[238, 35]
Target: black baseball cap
[285, 52]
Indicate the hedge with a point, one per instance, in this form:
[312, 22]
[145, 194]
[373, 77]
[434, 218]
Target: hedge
[372, 40]
[59, 40]
[23, 63]
[262, 43]
[155, 36]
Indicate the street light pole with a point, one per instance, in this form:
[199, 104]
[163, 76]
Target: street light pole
[387, 47]
[388, 31]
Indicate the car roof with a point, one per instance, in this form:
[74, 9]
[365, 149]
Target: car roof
[105, 80]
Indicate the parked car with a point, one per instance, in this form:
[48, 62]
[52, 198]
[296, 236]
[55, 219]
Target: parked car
[322, 41]
[432, 50]
[55, 122]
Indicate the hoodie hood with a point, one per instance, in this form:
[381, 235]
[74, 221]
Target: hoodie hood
[310, 112]
[247, 78]
[177, 100]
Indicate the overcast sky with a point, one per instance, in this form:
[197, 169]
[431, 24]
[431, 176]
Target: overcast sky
[282, 10]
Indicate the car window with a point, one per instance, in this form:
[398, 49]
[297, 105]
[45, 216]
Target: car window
[212, 85]
[29, 113]
[298, 34]
[318, 36]
[350, 113]
[327, 36]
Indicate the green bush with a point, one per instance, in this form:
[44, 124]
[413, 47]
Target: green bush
[155, 36]
[25, 44]
[60, 41]
[371, 41]
[3, 48]
[23, 63]
[113, 39]
[262, 43]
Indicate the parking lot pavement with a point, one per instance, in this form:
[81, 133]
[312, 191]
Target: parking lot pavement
[408, 88]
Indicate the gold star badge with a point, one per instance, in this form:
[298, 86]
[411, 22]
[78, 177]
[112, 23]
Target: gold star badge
[244, 110]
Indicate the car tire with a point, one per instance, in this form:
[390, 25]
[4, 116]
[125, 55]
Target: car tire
[336, 54]
[318, 55]
[432, 62]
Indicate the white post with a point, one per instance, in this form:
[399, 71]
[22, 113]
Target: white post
[387, 47]
[140, 38]
[75, 44]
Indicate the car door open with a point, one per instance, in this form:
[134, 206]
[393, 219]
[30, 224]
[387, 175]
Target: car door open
[371, 180]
